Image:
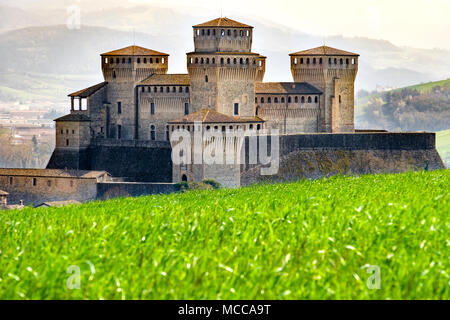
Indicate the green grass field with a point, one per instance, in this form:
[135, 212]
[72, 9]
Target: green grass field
[304, 240]
[443, 146]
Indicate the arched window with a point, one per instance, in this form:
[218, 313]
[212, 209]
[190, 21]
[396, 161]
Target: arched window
[196, 60]
[347, 62]
[241, 61]
[316, 99]
[209, 32]
[248, 33]
[335, 61]
[303, 100]
[184, 178]
[307, 61]
[214, 32]
[138, 60]
[247, 61]
[203, 32]
[151, 60]
[222, 33]
[229, 33]
[329, 60]
[168, 89]
[262, 100]
[145, 60]
[152, 133]
[258, 127]
[296, 99]
[314, 61]
[309, 100]
[202, 61]
[222, 61]
[289, 100]
[155, 89]
[234, 61]
[269, 100]
[228, 61]
[161, 89]
[257, 110]
[129, 60]
[235, 33]
[241, 33]
[283, 100]
[174, 89]
[117, 60]
[114, 75]
[213, 60]
[341, 62]
[320, 61]
[206, 78]
[295, 60]
[197, 32]
[256, 99]
[180, 90]
[112, 60]
[207, 60]
[187, 89]
[301, 60]
[157, 60]
[276, 100]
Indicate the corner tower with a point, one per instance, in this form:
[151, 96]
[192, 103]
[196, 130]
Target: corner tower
[223, 70]
[334, 72]
[123, 69]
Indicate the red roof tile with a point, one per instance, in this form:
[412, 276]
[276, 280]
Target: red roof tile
[134, 51]
[223, 22]
[325, 51]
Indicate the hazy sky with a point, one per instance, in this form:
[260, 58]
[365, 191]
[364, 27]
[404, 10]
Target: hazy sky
[417, 23]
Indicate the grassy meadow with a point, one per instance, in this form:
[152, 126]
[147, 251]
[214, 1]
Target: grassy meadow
[303, 240]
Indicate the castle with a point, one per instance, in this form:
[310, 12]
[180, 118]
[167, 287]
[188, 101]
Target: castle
[139, 104]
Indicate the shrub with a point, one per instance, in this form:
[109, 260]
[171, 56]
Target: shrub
[213, 183]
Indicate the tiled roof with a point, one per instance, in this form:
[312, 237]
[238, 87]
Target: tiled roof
[88, 91]
[3, 193]
[134, 51]
[58, 203]
[223, 22]
[167, 79]
[324, 50]
[53, 173]
[73, 117]
[286, 87]
[212, 116]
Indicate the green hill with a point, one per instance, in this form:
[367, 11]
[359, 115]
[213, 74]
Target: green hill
[307, 240]
[443, 146]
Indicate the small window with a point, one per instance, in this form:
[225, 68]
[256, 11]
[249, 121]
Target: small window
[129, 60]
[316, 99]
[282, 100]
[119, 132]
[320, 61]
[145, 60]
[174, 89]
[289, 100]
[123, 60]
[275, 100]
[229, 33]
[114, 75]
[301, 60]
[206, 78]
[262, 100]
[269, 100]
[209, 32]
[62, 131]
[213, 60]
[152, 108]
[186, 108]
[67, 142]
[222, 61]
[296, 99]
[307, 61]
[168, 89]
[180, 90]
[340, 99]
[222, 33]
[236, 109]
[161, 89]
[152, 133]
[341, 62]
[309, 100]
[138, 60]
[73, 131]
[303, 100]
[167, 133]
[11, 180]
[143, 89]
[157, 60]
[151, 60]
[187, 89]
[241, 33]
[49, 183]
[314, 61]
[119, 107]
[71, 184]
[67, 131]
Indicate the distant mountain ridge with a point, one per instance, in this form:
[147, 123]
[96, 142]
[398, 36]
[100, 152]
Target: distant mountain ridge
[54, 49]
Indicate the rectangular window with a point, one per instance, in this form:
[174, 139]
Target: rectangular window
[11, 180]
[67, 142]
[34, 182]
[236, 109]
[49, 183]
[119, 107]
[152, 108]
[73, 131]
[119, 132]
[186, 108]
